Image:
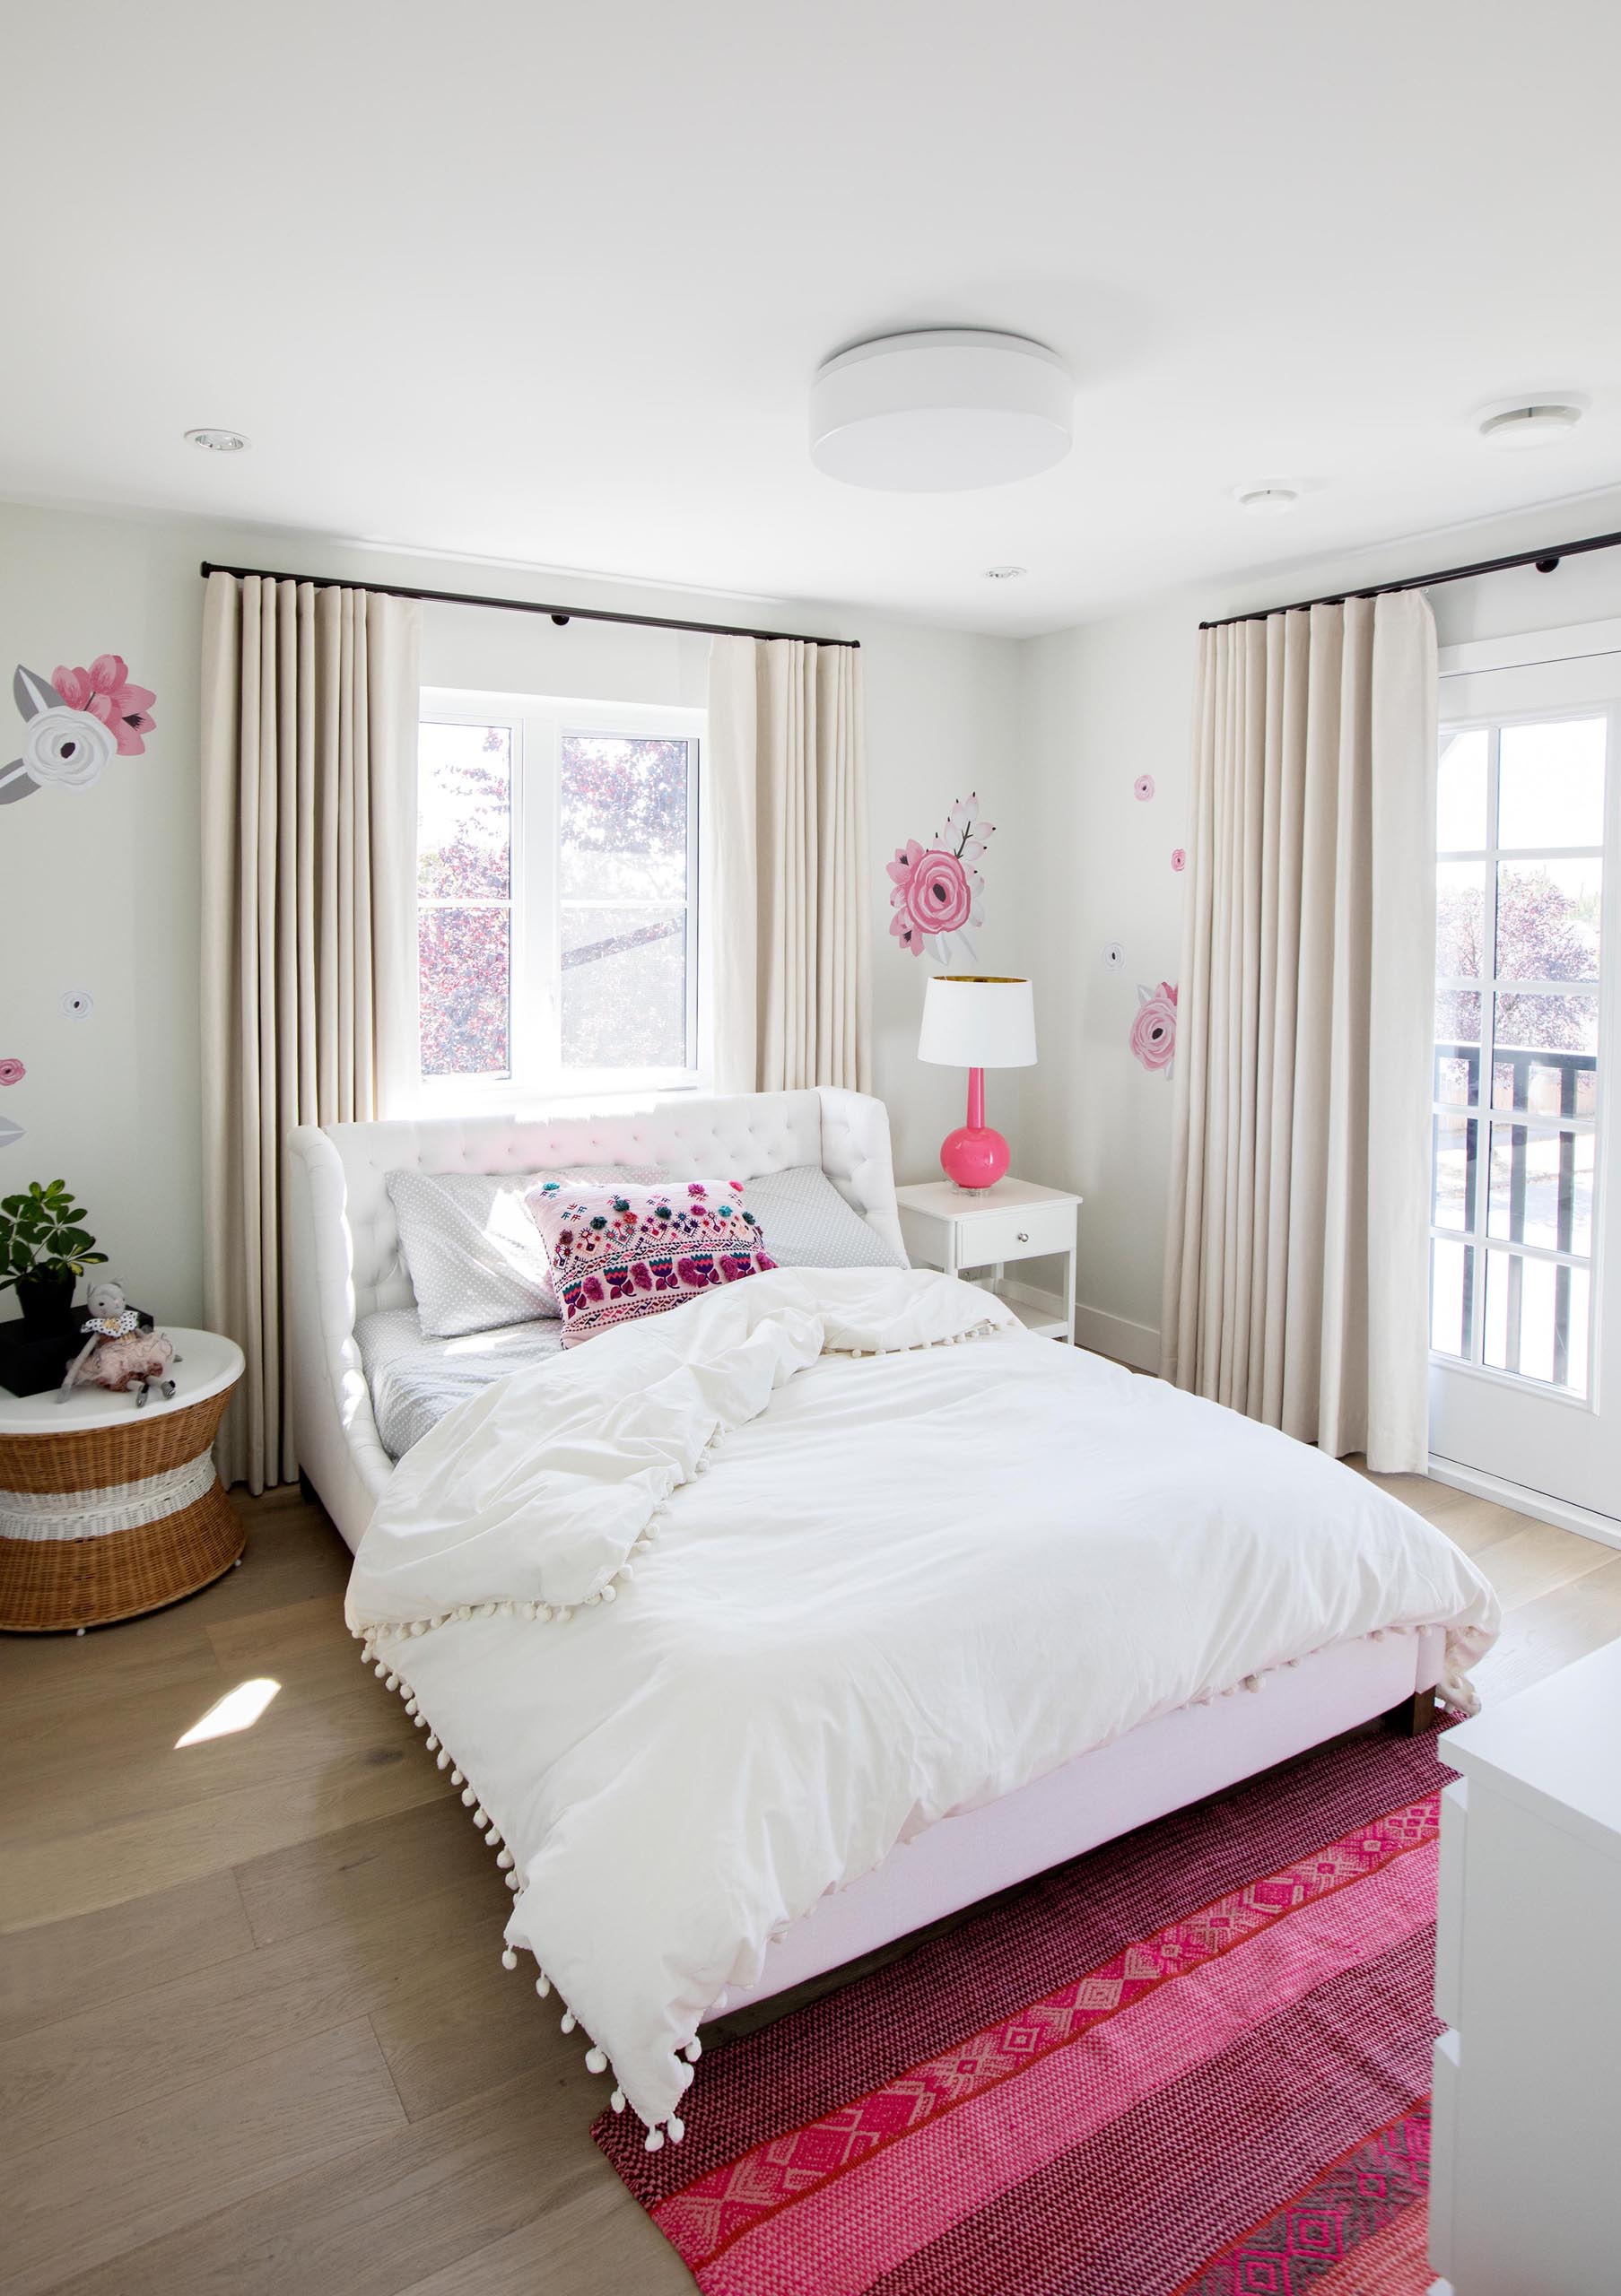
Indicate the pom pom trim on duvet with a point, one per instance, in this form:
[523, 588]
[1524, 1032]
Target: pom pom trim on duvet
[839, 1553]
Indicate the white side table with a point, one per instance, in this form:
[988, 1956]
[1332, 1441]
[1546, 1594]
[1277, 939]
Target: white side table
[961, 1229]
[107, 1510]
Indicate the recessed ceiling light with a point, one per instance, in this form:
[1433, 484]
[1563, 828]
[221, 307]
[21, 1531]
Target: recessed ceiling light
[218, 442]
[1540, 423]
[1004, 573]
[1267, 501]
[941, 410]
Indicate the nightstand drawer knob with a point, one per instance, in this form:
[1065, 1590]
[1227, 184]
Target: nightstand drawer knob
[1024, 1235]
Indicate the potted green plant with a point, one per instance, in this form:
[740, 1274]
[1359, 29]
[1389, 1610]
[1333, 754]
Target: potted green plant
[43, 1251]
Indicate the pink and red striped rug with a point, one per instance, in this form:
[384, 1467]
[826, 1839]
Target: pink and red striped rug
[1193, 2063]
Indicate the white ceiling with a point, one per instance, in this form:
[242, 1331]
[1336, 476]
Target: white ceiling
[549, 283]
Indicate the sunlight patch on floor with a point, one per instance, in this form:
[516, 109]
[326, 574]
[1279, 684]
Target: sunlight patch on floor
[239, 1710]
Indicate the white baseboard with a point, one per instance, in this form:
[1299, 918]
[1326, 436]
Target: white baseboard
[1540, 1505]
[1138, 1344]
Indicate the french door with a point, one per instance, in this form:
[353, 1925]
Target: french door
[1525, 1234]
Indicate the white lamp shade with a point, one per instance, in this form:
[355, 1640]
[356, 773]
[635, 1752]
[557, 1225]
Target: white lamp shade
[971, 1021]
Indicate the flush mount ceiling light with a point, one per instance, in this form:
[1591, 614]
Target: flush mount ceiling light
[1266, 501]
[1004, 573]
[1536, 422]
[941, 411]
[218, 442]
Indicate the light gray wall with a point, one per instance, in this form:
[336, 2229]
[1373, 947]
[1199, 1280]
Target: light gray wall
[98, 891]
[1100, 706]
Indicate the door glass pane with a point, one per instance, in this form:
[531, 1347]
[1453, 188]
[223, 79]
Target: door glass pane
[1457, 1079]
[1550, 789]
[1542, 1189]
[1460, 808]
[1544, 1084]
[1457, 1016]
[1460, 919]
[1452, 1196]
[463, 984]
[1450, 1270]
[464, 813]
[1545, 1025]
[1536, 1320]
[1547, 920]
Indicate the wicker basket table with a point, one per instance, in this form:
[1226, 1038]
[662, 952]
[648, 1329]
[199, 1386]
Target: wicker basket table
[106, 1509]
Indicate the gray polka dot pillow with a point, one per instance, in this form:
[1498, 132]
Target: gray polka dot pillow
[810, 1224]
[474, 1257]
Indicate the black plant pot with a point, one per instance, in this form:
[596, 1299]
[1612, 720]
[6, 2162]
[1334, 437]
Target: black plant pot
[47, 1302]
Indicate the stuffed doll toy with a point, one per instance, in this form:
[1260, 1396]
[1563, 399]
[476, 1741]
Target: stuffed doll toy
[121, 1350]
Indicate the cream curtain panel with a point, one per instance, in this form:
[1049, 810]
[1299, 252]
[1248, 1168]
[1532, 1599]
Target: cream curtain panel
[785, 867]
[1296, 1276]
[308, 820]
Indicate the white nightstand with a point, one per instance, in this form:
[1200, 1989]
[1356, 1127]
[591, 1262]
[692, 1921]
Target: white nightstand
[958, 1228]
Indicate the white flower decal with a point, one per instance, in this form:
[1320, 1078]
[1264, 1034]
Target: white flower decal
[67, 749]
[76, 726]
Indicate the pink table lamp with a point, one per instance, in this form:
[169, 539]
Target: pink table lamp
[977, 1021]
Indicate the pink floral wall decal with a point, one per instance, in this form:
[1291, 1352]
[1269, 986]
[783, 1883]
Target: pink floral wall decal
[1153, 1026]
[104, 690]
[936, 891]
[1179, 859]
[12, 1072]
[1142, 788]
[76, 726]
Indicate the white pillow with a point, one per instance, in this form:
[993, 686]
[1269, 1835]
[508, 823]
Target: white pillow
[807, 1224]
[474, 1257]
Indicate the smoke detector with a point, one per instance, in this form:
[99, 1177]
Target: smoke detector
[1537, 423]
[1267, 501]
[941, 411]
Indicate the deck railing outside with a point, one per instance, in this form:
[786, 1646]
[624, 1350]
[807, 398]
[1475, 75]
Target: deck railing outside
[1543, 1090]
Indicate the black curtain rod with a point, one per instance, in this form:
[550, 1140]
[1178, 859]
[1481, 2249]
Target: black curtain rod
[1545, 561]
[559, 615]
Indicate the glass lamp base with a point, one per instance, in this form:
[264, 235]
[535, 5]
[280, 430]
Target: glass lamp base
[974, 1156]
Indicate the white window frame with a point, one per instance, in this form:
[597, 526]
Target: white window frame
[538, 725]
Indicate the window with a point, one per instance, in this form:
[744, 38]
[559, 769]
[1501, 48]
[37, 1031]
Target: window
[1518, 890]
[557, 895]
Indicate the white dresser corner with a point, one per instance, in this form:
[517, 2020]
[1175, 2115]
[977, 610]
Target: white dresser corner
[1526, 2113]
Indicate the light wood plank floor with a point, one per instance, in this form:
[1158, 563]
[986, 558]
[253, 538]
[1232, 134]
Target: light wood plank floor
[254, 2030]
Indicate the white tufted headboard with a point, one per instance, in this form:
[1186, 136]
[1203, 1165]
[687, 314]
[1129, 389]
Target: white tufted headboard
[345, 1258]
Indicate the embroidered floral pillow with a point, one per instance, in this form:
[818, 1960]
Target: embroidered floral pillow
[619, 1253]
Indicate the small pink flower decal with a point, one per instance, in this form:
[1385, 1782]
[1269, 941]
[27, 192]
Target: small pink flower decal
[104, 691]
[12, 1072]
[1179, 860]
[1153, 1026]
[1142, 788]
[936, 889]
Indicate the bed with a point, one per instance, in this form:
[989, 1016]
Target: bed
[908, 1542]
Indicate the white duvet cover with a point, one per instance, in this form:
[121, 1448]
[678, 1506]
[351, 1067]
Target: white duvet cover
[909, 1582]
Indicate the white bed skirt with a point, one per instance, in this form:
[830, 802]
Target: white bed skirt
[1161, 1766]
